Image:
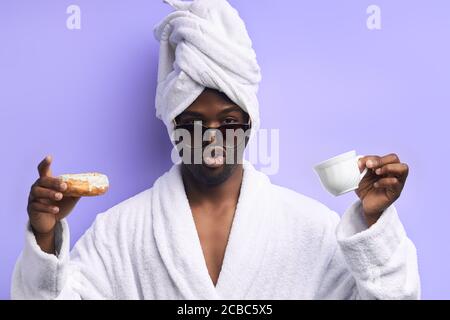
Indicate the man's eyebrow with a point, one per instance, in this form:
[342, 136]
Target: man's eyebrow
[231, 108]
[227, 109]
[191, 113]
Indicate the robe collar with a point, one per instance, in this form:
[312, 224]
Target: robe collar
[179, 244]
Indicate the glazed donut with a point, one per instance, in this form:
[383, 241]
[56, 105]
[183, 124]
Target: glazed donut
[85, 184]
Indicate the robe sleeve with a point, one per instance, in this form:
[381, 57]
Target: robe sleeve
[81, 274]
[379, 262]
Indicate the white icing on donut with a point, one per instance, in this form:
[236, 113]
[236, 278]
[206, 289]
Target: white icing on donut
[97, 180]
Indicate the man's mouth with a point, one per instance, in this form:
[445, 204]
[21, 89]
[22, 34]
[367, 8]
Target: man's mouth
[213, 156]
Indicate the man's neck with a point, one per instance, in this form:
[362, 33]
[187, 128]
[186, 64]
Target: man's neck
[225, 193]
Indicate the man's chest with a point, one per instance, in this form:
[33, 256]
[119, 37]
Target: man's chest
[213, 230]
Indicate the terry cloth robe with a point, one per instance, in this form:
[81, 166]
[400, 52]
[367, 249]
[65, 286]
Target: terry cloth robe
[282, 245]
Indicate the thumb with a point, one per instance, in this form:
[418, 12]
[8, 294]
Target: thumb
[362, 163]
[44, 167]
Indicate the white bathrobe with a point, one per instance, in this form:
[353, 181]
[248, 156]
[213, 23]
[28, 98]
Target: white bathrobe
[282, 245]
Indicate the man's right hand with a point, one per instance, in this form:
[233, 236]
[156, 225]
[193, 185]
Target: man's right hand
[47, 205]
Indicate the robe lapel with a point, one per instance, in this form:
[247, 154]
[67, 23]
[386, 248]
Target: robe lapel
[179, 245]
[177, 238]
[248, 237]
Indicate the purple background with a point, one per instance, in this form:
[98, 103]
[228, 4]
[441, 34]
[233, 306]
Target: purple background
[329, 84]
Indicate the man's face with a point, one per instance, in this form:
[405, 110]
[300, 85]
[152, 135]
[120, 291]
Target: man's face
[213, 109]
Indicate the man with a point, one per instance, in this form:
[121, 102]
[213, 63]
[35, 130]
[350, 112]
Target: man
[218, 228]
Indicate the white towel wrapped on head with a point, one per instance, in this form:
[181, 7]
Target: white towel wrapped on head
[204, 44]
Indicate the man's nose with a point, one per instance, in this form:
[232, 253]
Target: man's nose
[211, 134]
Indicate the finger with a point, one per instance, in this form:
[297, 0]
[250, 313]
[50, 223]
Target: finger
[36, 207]
[44, 167]
[373, 162]
[362, 162]
[44, 201]
[40, 192]
[388, 182]
[52, 183]
[395, 169]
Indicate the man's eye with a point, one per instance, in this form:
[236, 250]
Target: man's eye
[230, 120]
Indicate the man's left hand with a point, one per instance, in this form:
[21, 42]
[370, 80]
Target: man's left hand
[382, 184]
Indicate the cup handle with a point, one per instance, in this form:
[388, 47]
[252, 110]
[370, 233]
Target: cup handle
[362, 174]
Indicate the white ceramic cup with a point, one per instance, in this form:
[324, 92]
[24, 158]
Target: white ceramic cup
[340, 174]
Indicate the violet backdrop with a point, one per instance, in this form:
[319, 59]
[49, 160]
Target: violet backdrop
[329, 85]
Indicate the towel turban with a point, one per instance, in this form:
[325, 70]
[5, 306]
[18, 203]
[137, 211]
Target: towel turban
[204, 44]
